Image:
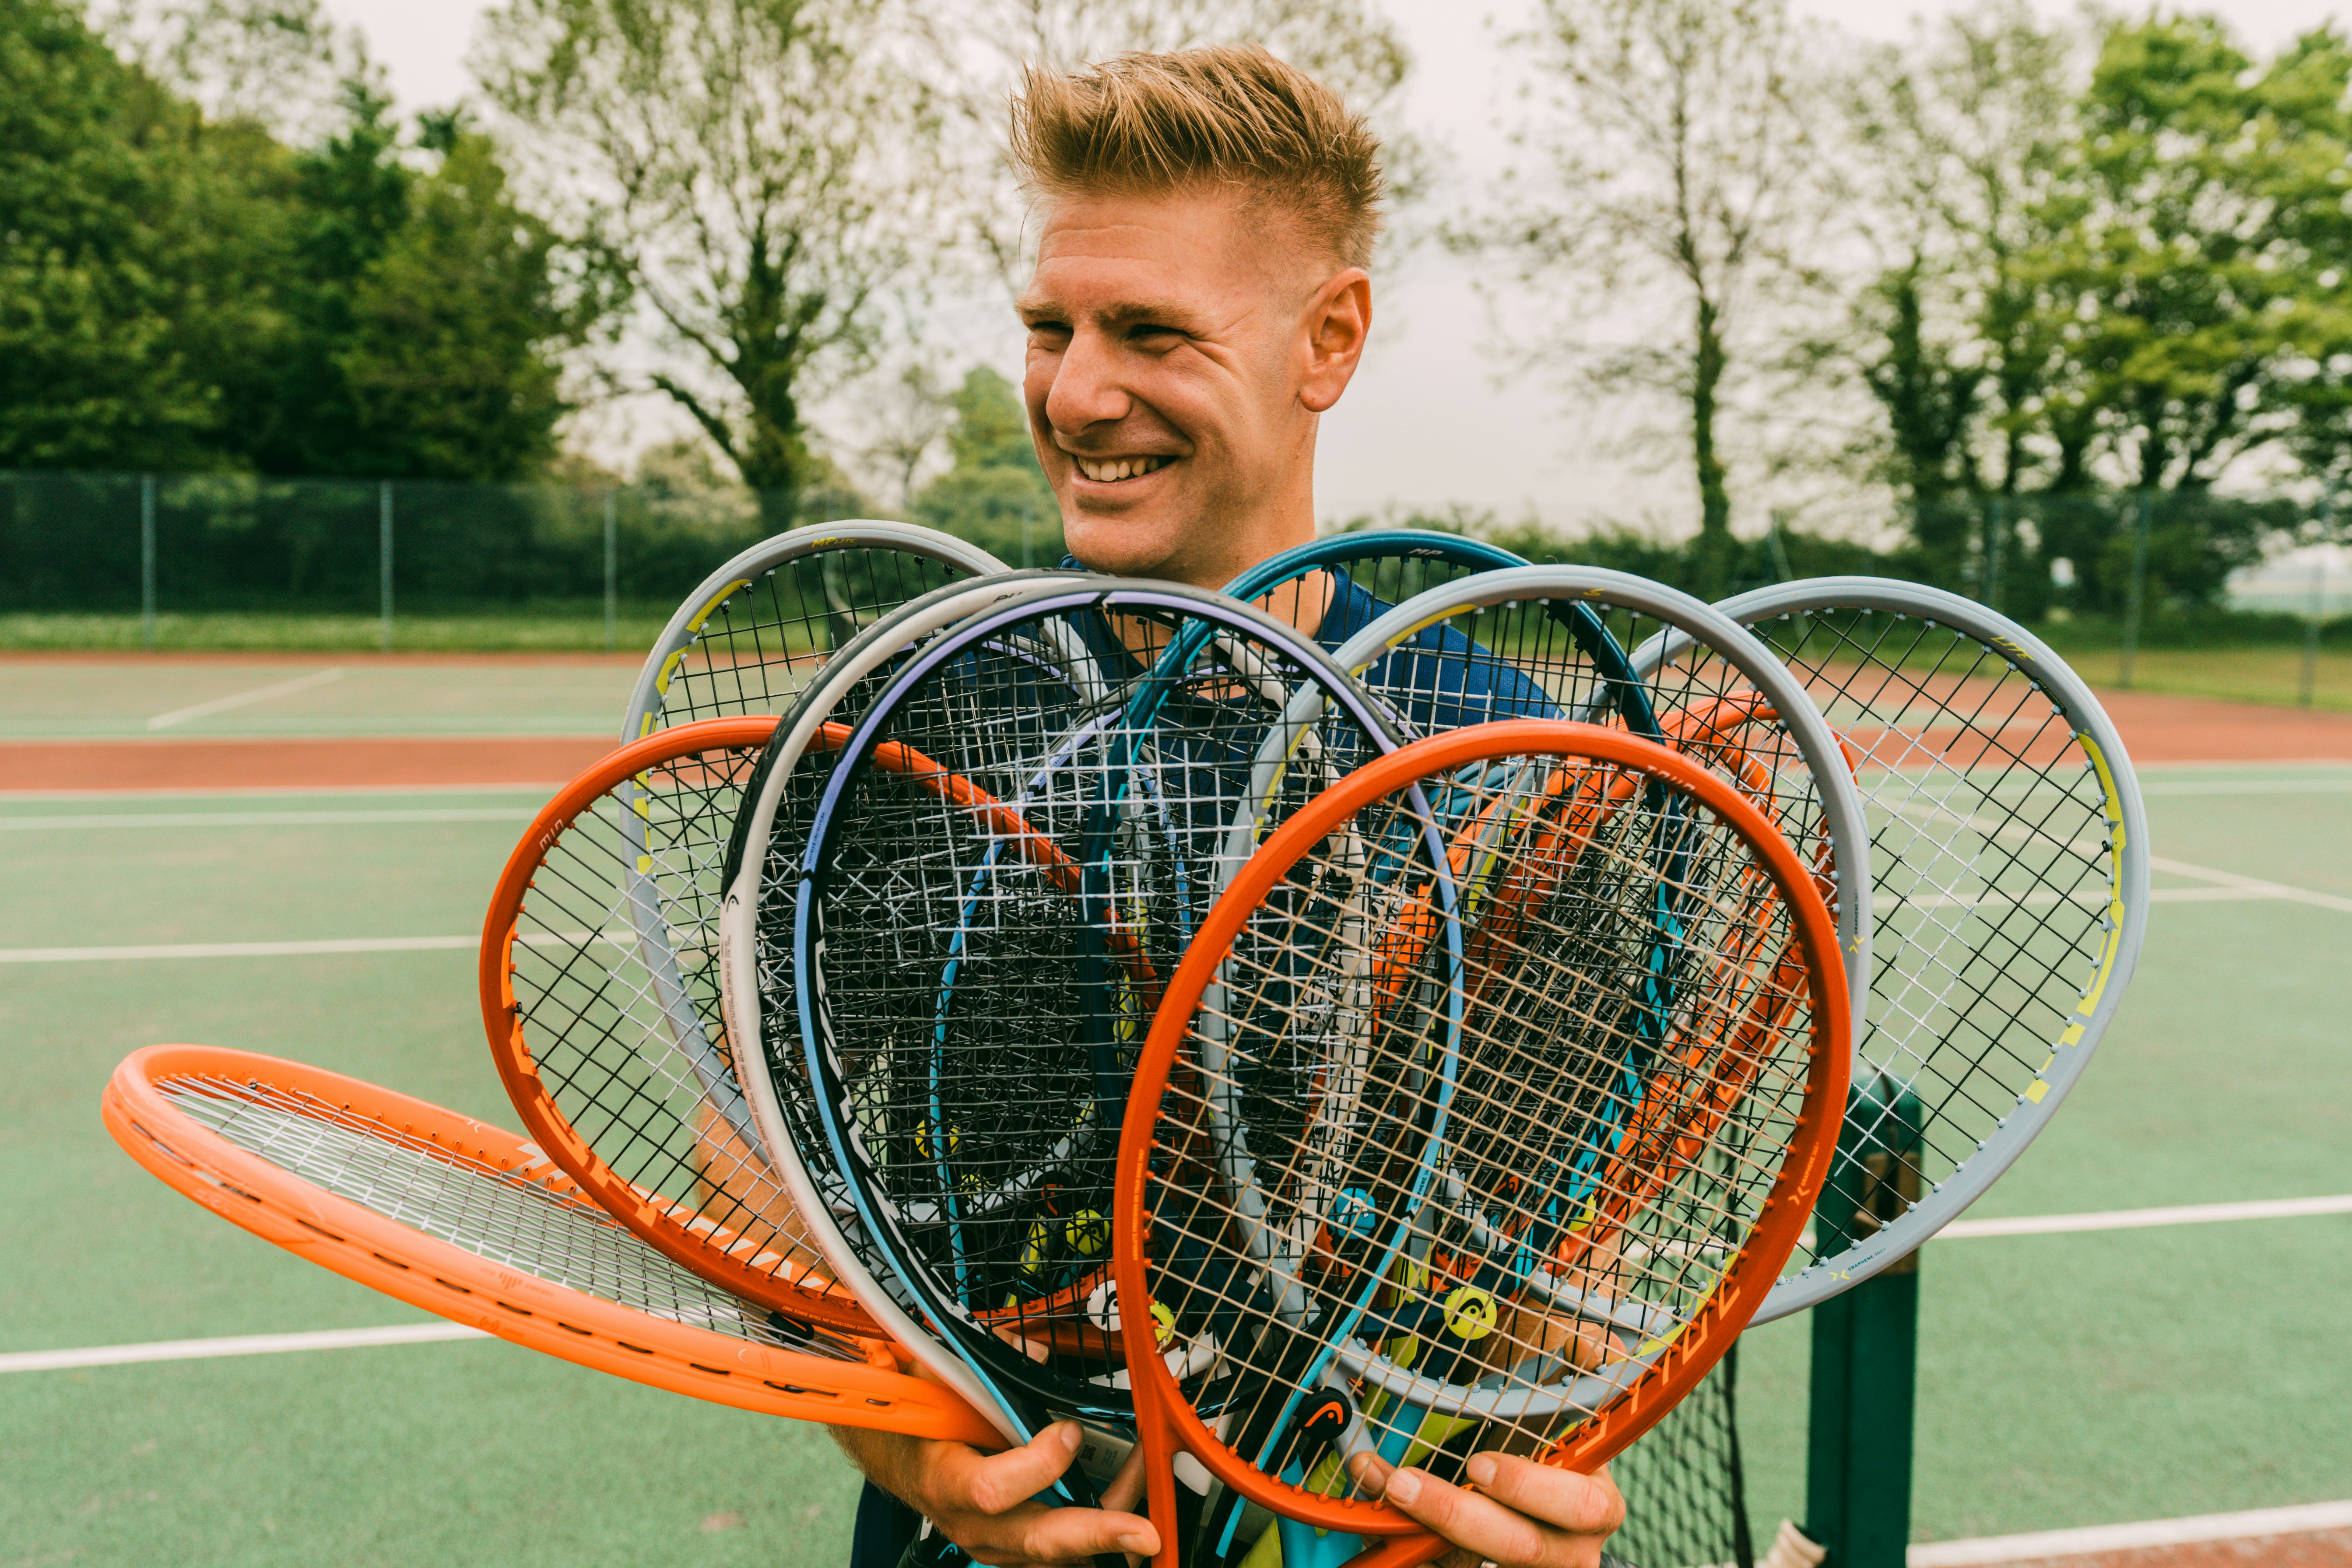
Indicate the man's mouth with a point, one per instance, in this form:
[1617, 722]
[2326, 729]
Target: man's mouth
[1110, 470]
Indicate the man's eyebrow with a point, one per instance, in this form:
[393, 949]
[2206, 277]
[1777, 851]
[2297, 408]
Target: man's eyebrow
[1127, 313]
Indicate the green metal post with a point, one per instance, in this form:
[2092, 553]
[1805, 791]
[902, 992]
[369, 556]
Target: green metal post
[1866, 1342]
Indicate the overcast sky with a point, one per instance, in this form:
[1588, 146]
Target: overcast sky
[1426, 422]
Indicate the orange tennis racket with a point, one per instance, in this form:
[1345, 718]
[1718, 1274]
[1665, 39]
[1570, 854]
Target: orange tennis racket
[601, 998]
[476, 1226]
[1427, 1224]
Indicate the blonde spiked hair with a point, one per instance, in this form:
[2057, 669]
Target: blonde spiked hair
[1229, 117]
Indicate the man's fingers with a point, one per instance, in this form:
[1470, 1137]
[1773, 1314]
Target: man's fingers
[1074, 1534]
[1580, 1505]
[1126, 1489]
[1476, 1524]
[999, 1482]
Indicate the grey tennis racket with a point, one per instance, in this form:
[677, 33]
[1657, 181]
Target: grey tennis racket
[753, 632]
[2009, 864]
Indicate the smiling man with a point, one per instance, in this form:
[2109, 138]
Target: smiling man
[1204, 222]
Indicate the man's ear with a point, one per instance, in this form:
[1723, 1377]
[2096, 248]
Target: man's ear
[1338, 320]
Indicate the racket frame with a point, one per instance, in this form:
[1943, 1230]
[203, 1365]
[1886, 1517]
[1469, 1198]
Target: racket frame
[662, 1223]
[1693, 619]
[2127, 820]
[914, 625]
[398, 1261]
[643, 714]
[1191, 607]
[1167, 1424]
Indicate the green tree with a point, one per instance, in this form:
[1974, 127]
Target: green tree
[104, 255]
[451, 355]
[1673, 175]
[756, 168]
[994, 494]
[179, 292]
[2183, 278]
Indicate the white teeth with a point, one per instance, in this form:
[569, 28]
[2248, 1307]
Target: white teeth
[1116, 468]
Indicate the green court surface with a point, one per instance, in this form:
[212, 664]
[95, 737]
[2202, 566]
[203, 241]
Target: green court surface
[2064, 1380]
[101, 698]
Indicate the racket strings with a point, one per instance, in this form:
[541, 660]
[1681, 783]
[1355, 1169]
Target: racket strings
[1522, 660]
[949, 901]
[508, 1216]
[762, 644]
[1993, 872]
[616, 987]
[1424, 1218]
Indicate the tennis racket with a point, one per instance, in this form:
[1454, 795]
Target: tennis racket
[1529, 640]
[1334, 586]
[1720, 696]
[2010, 858]
[600, 994]
[750, 636]
[478, 1226]
[961, 1070]
[1339, 1206]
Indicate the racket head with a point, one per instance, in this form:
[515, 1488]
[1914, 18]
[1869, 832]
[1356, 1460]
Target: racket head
[748, 637]
[1024, 946]
[760, 877]
[601, 997]
[1783, 1086]
[473, 1225]
[1700, 674]
[2010, 860]
[1389, 565]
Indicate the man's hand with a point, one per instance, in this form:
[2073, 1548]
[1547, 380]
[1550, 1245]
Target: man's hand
[1524, 1515]
[986, 1503]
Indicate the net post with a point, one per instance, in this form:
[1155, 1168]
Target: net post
[384, 560]
[612, 574]
[1866, 1342]
[147, 562]
[2138, 593]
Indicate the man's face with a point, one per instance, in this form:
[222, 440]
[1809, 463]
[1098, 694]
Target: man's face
[1177, 364]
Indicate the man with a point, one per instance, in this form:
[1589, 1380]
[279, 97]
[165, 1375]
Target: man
[1204, 220]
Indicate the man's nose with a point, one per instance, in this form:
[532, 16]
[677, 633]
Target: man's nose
[1088, 388]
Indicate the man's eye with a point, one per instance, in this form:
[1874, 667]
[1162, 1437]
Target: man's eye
[1048, 332]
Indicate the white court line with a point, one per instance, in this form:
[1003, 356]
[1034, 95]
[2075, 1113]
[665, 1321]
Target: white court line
[239, 699]
[2251, 1525]
[266, 818]
[415, 1333]
[2092, 900]
[237, 1344]
[303, 949]
[274, 792]
[2135, 1219]
[2248, 786]
[235, 949]
[2253, 886]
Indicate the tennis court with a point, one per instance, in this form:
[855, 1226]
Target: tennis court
[2065, 1379]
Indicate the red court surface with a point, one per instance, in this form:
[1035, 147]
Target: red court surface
[2155, 728]
[388, 762]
